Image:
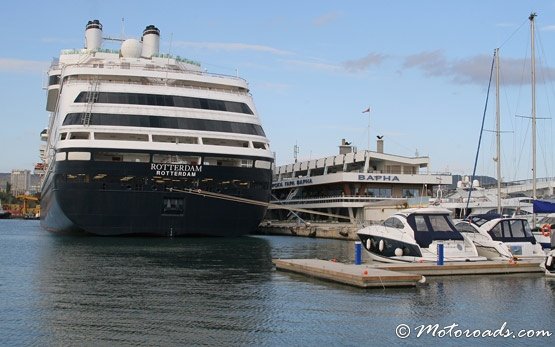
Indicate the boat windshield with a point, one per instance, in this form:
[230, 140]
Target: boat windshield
[512, 230]
[430, 227]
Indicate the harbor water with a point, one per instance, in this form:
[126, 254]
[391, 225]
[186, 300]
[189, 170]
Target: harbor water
[121, 291]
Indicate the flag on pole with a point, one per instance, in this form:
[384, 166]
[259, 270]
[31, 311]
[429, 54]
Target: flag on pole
[367, 110]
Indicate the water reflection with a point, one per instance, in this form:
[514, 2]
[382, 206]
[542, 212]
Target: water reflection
[68, 290]
[175, 290]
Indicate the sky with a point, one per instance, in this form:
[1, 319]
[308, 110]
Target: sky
[422, 67]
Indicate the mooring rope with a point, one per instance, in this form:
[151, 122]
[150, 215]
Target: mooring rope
[227, 197]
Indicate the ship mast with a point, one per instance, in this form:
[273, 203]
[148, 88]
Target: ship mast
[498, 130]
[533, 82]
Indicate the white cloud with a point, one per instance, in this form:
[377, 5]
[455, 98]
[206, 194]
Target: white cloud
[548, 28]
[325, 19]
[316, 65]
[363, 63]
[473, 70]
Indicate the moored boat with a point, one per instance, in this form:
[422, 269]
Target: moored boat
[3, 213]
[500, 238]
[414, 235]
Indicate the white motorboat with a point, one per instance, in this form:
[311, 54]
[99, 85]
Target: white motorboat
[500, 238]
[549, 264]
[414, 235]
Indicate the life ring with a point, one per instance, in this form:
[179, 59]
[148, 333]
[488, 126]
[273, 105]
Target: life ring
[546, 230]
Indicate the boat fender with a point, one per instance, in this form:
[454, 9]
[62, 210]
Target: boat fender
[398, 252]
[368, 244]
[546, 230]
[549, 261]
[381, 245]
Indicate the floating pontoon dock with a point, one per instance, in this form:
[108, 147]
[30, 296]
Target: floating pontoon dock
[382, 275]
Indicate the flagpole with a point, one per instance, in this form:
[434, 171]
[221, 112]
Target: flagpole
[369, 129]
[368, 110]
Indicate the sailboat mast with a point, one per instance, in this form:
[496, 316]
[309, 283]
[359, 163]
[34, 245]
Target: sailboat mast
[533, 82]
[498, 130]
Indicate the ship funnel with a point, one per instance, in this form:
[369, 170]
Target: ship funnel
[151, 41]
[93, 35]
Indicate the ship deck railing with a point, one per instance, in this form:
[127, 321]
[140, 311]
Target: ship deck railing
[155, 83]
[175, 68]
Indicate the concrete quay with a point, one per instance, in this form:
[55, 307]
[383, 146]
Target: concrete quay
[340, 231]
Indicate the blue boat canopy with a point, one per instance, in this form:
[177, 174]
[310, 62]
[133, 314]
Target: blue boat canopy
[543, 206]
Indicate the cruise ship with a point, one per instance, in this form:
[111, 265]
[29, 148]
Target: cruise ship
[145, 143]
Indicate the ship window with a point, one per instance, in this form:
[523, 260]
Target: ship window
[225, 142]
[220, 161]
[410, 193]
[173, 206]
[167, 122]
[79, 136]
[168, 100]
[54, 79]
[174, 139]
[121, 136]
[517, 228]
[262, 164]
[78, 156]
[174, 159]
[379, 192]
[246, 163]
[63, 136]
[259, 145]
[122, 156]
[60, 156]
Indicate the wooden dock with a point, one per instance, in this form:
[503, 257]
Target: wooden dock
[382, 275]
[362, 276]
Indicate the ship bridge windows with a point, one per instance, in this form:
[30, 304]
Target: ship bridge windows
[167, 100]
[144, 121]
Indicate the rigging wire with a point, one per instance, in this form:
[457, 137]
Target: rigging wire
[547, 79]
[514, 32]
[480, 138]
